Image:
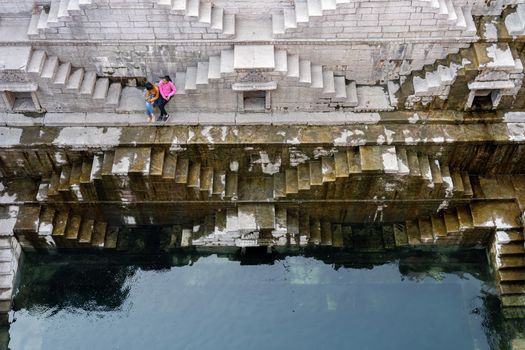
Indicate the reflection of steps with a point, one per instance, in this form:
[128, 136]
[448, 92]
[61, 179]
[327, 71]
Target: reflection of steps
[49, 228]
[75, 83]
[203, 12]
[252, 225]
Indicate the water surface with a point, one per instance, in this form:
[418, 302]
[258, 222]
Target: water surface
[258, 301]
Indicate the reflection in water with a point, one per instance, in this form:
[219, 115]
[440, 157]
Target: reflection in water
[258, 301]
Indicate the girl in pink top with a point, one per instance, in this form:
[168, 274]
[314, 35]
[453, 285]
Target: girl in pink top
[166, 89]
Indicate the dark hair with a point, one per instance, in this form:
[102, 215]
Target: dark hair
[167, 77]
[149, 86]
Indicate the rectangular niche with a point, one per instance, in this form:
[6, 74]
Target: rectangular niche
[20, 97]
[254, 101]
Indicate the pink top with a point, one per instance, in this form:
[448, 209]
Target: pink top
[167, 89]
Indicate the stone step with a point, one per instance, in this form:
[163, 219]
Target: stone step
[60, 223]
[326, 233]
[63, 13]
[341, 164]
[328, 5]
[314, 8]
[52, 16]
[180, 80]
[214, 68]
[424, 164]
[114, 92]
[513, 300]
[316, 173]
[292, 185]
[303, 176]
[88, 83]
[219, 183]
[281, 61]
[217, 19]
[86, 231]
[301, 12]
[457, 182]
[292, 222]
[179, 6]
[47, 217]
[465, 219]
[469, 20]
[232, 220]
[511, 275]
[353, 157]
[512, 288]
[62, 74]
[73, 227]
[337, 236]
[304, 227]
[351, 95]
[36, 64]
[467, 186]
[425, 230]
[181, 170]
[281, 224]
[205, 11]
[232, 185]
[439, 229]
[194, 175]
[220, 222]
[450, 217]
[293, 66]
[190, 84]
[63, 185]
[443, 10]
[317, 77]
[448, 184]
[402, 161]
[511, 261]
[329, 84]
[437, 178]
[32, 29]
[452, 16]
[290, 19]
[389, 159]
[279, 185]
[502, 249]
[202, 74]
[413, 234]
[315, 231]
[99, 234]
[229, 25]
[400, 235]
[461, 22]
[42, 21]
[192, 9]
[165, 3]
[73, 7]
[506, 237]
[75, 80]
[328, 169]
[413, 163]
[157, 162]
[254, 57]
[206, 180]
[227, 61]
[112, 234]
[370, 159]
[278, 24]
[169, 166]
[305, 72]
[101, 89]
[340, 89]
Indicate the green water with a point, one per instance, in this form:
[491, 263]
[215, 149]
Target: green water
[258, 301]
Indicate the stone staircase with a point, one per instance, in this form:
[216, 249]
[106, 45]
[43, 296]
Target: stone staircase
[10, 252]
[278, 64]
[48, 18]
[85, 87]
[48, 228]
[304, 11]
[445, 83]
[203, 12]
[508, 253]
